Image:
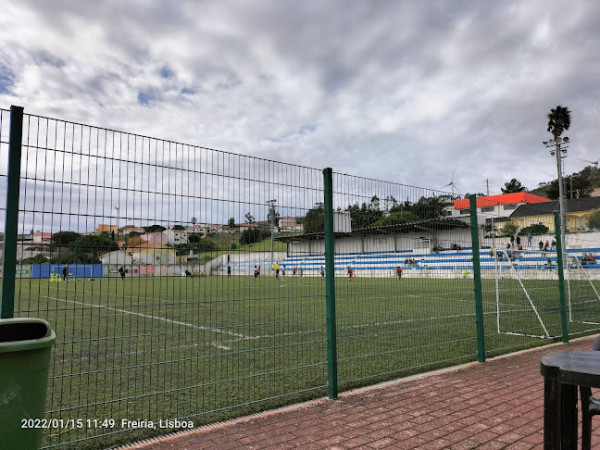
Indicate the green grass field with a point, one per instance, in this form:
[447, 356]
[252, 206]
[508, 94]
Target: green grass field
[209, 349]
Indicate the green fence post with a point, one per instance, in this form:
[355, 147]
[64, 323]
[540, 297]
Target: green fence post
[561, 278]
[477, 279]
[11, 226]
[332, 381]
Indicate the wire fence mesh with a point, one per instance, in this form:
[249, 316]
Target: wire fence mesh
[189, 284]
[154, 262]
[520, 271]
[406, 302]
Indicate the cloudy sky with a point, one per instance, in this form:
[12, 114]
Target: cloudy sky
[404, 91]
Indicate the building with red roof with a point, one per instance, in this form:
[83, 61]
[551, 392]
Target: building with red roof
[496, 206]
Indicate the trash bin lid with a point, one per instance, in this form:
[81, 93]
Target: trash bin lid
[25, 334]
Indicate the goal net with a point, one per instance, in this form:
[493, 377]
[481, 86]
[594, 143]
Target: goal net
[526, 303]
[583, 295]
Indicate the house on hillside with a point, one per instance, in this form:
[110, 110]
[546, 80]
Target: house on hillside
[154, 255]
[103, 228]
[167, 237]
[578, 212]
[290, 225]
[42, 238]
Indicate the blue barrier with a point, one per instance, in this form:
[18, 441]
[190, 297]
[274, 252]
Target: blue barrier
[73, 270]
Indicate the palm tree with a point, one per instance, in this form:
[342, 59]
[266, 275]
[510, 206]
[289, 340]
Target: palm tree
[559, 120]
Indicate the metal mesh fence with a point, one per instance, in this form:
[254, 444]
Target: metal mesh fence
[405, 304]
[520, 275]
[189, 284]
[4, 140]
[582, 244]
[153, 261]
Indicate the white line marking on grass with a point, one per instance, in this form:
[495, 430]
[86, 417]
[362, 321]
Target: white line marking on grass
[162, 319]
[366, 325]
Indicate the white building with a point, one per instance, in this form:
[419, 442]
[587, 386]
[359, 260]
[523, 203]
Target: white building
[176, 237]
[167, 237]
[493, 206]
[154, 255]
[118, 257]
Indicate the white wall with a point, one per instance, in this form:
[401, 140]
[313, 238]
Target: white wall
[385, 243]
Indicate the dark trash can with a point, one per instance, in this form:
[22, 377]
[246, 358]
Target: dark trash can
[25, 347]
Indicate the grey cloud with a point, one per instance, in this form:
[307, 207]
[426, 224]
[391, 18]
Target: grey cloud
[389, 89]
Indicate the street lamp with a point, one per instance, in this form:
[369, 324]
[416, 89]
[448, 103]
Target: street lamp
[271, 204]
[558, 148]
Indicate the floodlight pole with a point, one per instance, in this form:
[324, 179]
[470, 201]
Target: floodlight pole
[271, 204]
[558, 148]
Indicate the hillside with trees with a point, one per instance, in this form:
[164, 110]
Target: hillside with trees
[579, 184]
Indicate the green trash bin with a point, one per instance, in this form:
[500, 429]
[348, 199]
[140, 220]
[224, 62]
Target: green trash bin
[25, 347]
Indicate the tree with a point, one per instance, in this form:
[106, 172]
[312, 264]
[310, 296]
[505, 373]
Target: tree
[64, 238]
[581, 187]
[594, 220]
[194, 221]
[37, 259]
[86, 249]
[231, 223]
[510, 229]
[273, 216]
[390, 202]
[559, 120]
[513, 185]
[314, 221]
[477, 194]
[154, 228]
[365, 215]
[397, 218]
[535, 230]
[249, 218]
[252, 235]
[428, 207]
[194, 238]
[207, 244]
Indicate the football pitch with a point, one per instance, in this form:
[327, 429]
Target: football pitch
[210, 349]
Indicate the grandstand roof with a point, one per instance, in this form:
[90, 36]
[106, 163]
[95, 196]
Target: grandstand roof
[420, 225]
[503, 199]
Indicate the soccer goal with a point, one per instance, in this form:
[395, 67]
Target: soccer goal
[583, 296]
[517, 293]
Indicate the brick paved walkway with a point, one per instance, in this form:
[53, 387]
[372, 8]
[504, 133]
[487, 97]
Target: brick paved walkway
[496, 405]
